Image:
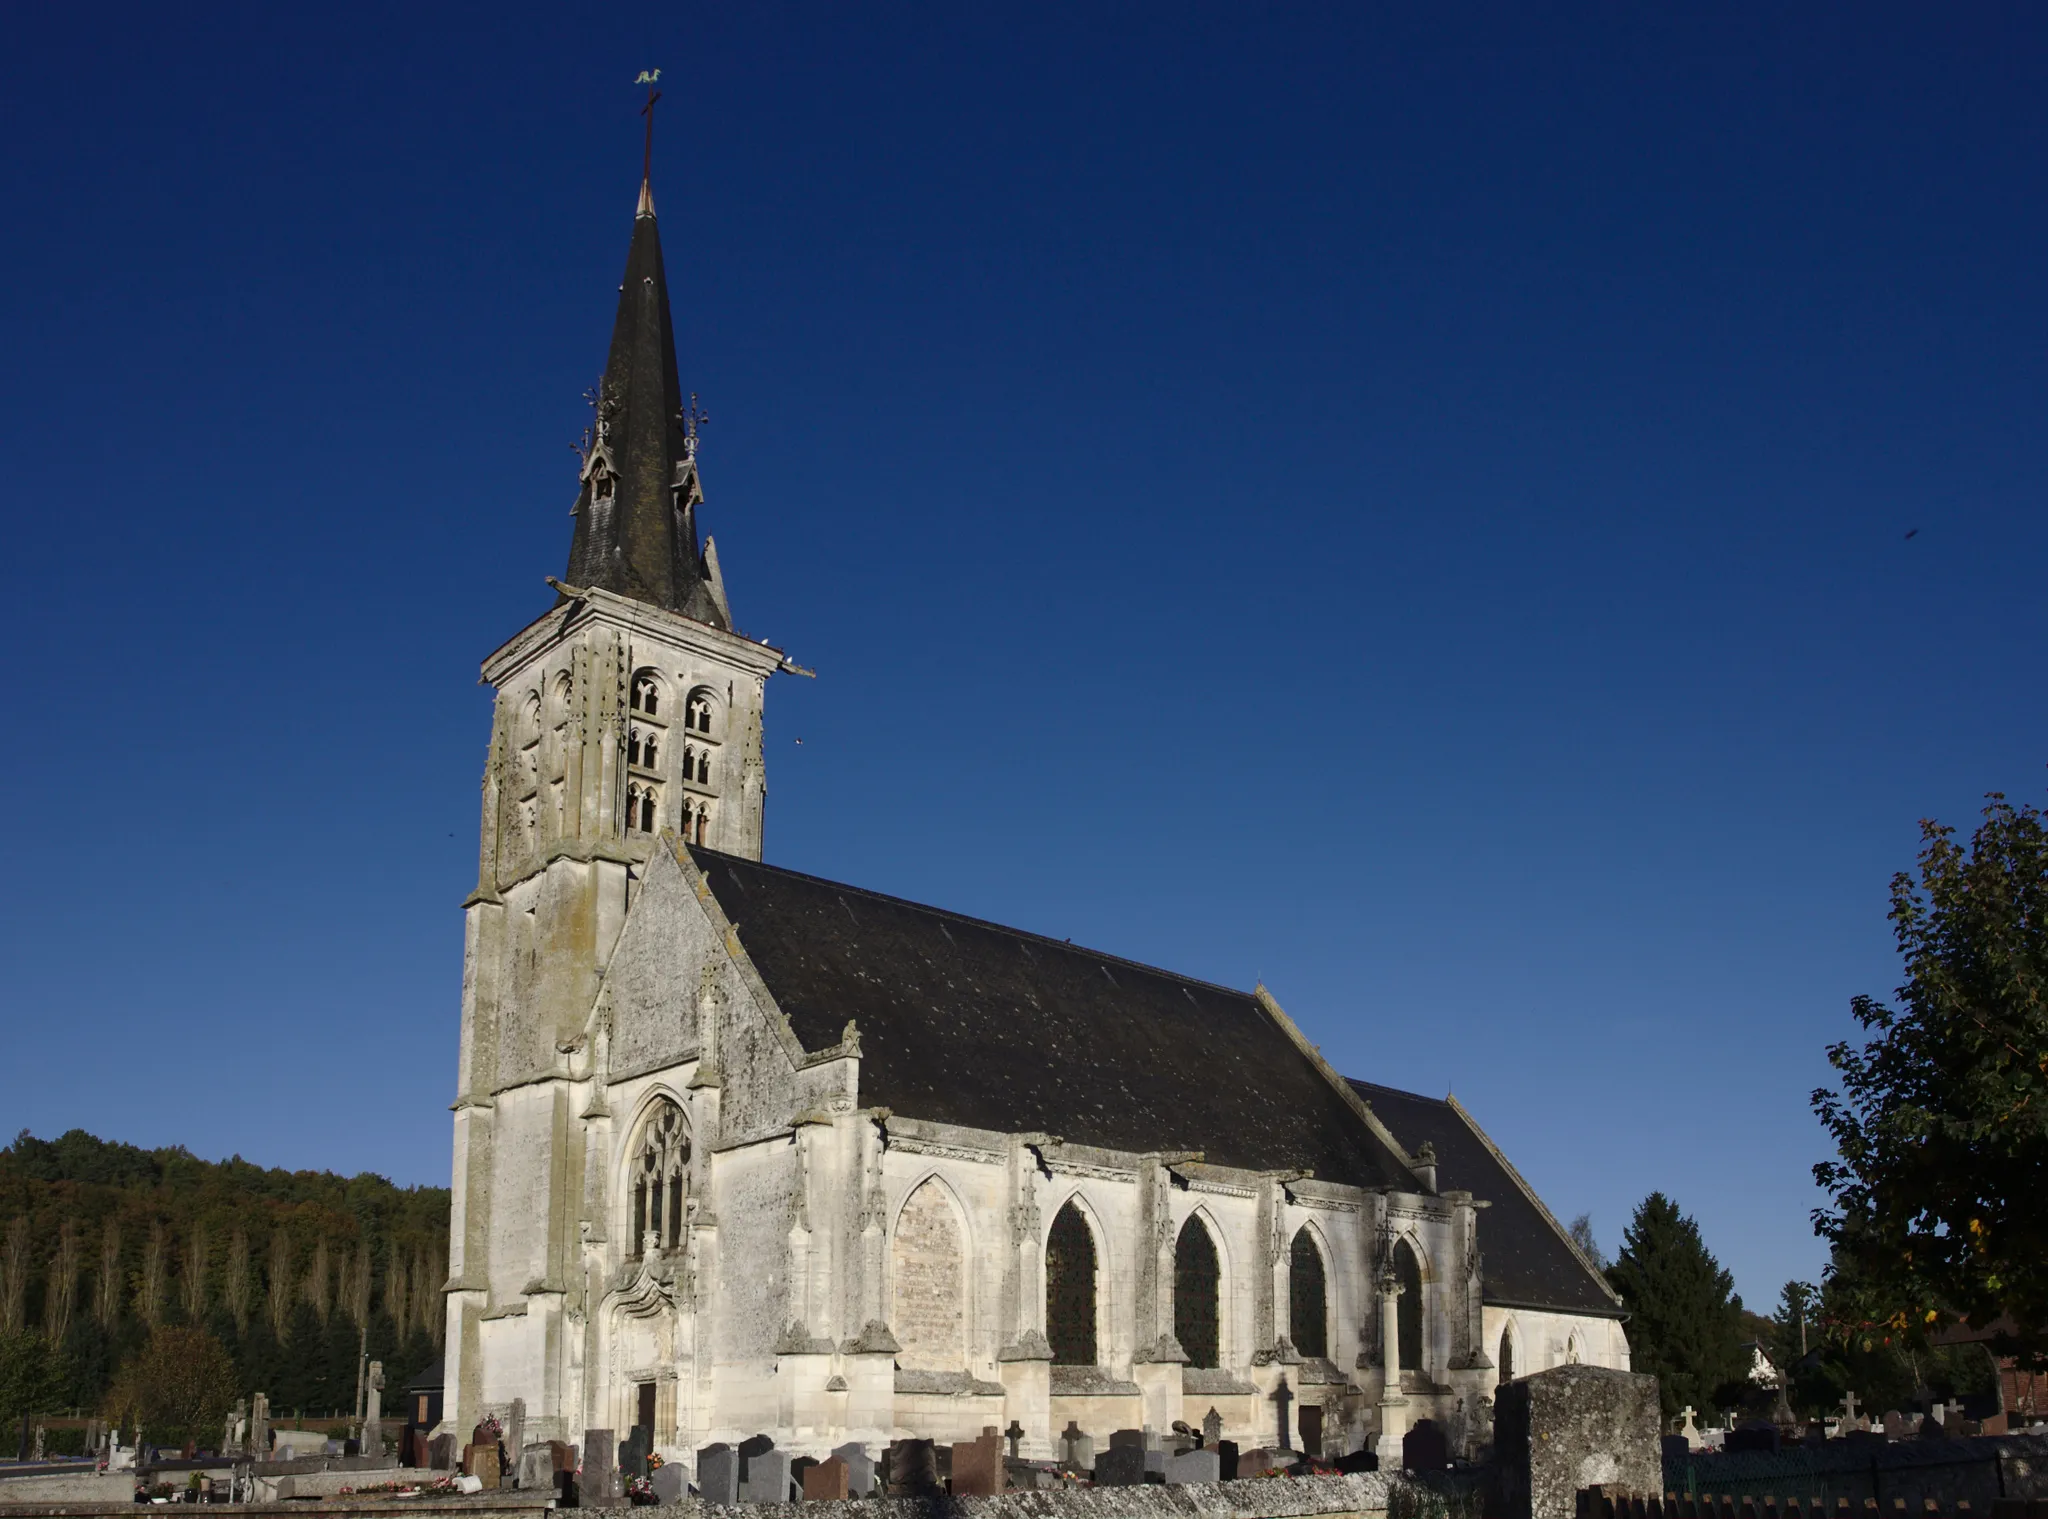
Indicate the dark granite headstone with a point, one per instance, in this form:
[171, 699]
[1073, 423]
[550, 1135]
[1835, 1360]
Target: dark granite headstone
[1675, 1448]
[1753, 1437]
[633, 1451]
[913, 1469]
[670, 1484]
[1226, 1460]
[1120, 1465]
[441, 1453]
[1132, 1438]
[1424, 1448]
[718, 1474]
[751, 1447]
[798, 1465]
[1363, 1460]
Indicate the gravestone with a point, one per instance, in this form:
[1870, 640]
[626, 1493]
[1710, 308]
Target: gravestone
[767, 1479]
[913, 1469]
[1212, 1427]
[827, 1480]
[1309, 1419]
[978, 1466]
[1675, 1447]
[670, 1483]
[536, 1467]
[1193, 1466]
[1133, 1439]
[1226, 1460]
[1996, 1424]
[1364, 1459]
[718, 1474]
[798, 1465]
[482, 1461]
[633, 1453]
[1155, 1461]
[515, 1420]
[1764, 1437]
[1572, 1427]
[1261, 1459]
[752, 1446]
[1895, 1425]
[1077, 1450]
[1425, 1447]
[441, 1453]
[563, 1455]
[860, 1470]
[259, 1429]
[600, 1482]
[1120, 1465]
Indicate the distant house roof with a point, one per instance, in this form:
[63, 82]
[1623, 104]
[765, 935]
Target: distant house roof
[1528, 1261]
[430, 1378]
[968, 1022]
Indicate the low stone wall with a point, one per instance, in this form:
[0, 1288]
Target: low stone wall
[1861, 1470]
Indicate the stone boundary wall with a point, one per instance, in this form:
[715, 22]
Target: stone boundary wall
[1864, 1469]
[1365, 1494]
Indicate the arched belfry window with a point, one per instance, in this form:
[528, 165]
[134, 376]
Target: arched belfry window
[1408, 1314]
[1197, 1284]
[1308, 1297]
[697, 712]
[1070, 1289]
[646, 694]
[660, 1179]
[1506, 1358]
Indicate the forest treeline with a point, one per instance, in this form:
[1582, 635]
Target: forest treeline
[103, 1243]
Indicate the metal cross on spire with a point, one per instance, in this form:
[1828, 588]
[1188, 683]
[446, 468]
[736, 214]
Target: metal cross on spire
[648, 78]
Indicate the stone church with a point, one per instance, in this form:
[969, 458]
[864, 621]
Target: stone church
[740, 1150]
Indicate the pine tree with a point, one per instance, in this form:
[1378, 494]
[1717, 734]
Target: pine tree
[1685, 1322]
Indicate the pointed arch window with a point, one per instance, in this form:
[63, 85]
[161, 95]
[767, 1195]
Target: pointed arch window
[1070, 1289]
[697, 711]
[1408, 1312]
[660, 1180]
[1506, 1358]
[646, 694]
[1197, 1288]
[1308, 1297]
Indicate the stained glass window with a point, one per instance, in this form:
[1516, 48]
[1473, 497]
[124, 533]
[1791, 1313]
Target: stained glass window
[1070, 1289]
[1196, 1280]
[1308, 1298]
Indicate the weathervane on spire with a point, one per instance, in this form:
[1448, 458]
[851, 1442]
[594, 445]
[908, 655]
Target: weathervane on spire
[693, 417]
[648, 77]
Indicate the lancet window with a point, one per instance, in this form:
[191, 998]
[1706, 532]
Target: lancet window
[660, 1180]
[647, 694]
[1197, 1285]
[1308, 1297]
[1408, 1313]
[1070, 1289]
[1506, 1358]
[641, 812]
[697, 712]
[643, 748]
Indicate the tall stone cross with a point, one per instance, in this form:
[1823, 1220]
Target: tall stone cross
[1849, 1409]
[1013, 1434]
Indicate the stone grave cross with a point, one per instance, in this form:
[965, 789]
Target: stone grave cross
[1849, 1410]
[1013, 1434]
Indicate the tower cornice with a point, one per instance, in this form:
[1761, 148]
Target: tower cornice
[591, 606]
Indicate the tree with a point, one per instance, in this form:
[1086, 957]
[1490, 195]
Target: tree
[1581, 1232]
[31, 1379]
[180, 1387]
[1941, 1123]
[1685, 1322]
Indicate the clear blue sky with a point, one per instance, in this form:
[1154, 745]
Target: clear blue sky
[1410, 504]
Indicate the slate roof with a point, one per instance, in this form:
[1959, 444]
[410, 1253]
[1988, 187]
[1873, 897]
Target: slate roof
[1528, 1264]
[972, 1023]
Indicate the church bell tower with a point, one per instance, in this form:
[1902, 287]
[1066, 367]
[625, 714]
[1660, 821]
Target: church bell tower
[631, 709]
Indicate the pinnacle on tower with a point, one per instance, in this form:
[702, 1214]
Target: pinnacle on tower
[636, 509]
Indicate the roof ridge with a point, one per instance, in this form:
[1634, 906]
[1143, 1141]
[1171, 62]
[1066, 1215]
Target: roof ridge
[1381, 1086]
[1003, 928]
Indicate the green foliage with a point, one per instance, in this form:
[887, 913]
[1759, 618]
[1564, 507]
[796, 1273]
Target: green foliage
[1685, 1322]
[210, 1227]
[178, 1388]
[31, 1379]
[1941, 1123]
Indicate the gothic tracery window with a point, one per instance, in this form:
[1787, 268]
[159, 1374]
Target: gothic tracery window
[646, 694]
[1197, 1284]
[660, 1180]
[1308, 1297]
[697, 713]
[1070, 1289]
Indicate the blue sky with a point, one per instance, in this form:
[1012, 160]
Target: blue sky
[1407, 505]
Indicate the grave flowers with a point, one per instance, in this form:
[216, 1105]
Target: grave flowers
[640, 1492]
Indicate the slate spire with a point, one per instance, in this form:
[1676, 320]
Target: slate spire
[636, 506]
